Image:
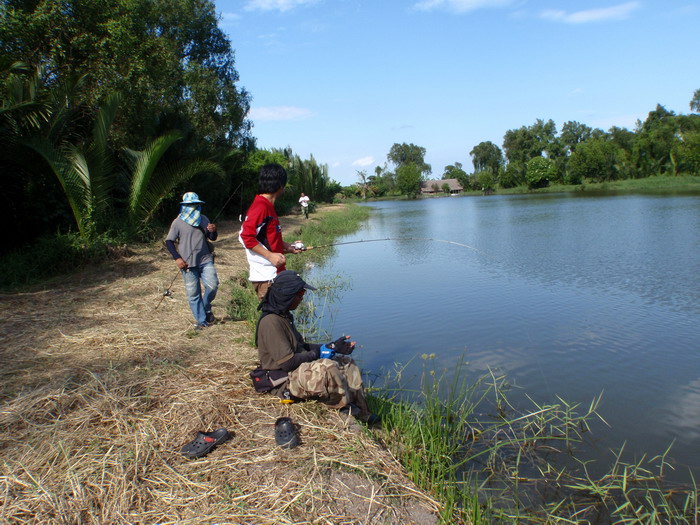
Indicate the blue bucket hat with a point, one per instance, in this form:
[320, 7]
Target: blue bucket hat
[191, 198]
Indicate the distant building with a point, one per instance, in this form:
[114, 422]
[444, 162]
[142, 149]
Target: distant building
[432, 187]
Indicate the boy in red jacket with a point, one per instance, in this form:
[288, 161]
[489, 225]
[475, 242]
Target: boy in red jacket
[261, 233]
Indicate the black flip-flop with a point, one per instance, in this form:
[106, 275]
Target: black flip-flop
[286, 433]
[204, 443]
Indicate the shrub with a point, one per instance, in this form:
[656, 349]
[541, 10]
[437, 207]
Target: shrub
[539, 172]
[53, 255]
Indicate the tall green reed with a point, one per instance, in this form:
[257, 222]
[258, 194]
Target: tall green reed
[488, 461]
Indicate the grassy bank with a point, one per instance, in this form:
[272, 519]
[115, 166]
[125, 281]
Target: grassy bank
[103, 382]
[52, 256]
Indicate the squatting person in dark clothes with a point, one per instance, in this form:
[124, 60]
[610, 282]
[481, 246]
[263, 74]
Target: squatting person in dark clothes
[323, 372]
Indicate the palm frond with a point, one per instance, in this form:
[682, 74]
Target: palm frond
[71, 172]
[145, 163]
[164, 180]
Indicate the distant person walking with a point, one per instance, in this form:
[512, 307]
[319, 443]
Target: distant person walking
[304, 201]
[191, 230]
[261, 232]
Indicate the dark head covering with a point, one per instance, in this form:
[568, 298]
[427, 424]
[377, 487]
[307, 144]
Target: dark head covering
[280, 296]
[282, 291]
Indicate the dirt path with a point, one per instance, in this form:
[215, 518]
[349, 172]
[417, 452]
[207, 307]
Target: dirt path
[100, 389]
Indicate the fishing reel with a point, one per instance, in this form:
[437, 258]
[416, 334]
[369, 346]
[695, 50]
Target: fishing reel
[298, 245]
[167, 293]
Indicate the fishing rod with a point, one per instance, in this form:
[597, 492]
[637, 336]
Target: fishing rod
[392, 239]
[168, 292]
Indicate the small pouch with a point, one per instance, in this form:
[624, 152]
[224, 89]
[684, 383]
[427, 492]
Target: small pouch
[266, 380]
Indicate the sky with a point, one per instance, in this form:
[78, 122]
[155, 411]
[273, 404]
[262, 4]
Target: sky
[344, 80]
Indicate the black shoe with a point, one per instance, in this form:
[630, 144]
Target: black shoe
[210, 318]
[286, 433]
[204, 443]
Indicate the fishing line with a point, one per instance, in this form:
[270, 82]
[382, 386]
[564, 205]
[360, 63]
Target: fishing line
[396, 239]
[167, 292]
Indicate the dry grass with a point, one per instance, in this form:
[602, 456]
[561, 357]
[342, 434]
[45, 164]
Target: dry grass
[100, 390]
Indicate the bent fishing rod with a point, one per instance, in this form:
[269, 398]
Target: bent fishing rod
[167, 292]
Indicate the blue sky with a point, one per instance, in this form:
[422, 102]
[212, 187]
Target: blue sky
[343, 80]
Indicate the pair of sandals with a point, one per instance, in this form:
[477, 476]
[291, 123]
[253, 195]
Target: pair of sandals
[286, 436]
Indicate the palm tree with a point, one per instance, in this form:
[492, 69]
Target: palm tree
[85, 172]
[151, 183]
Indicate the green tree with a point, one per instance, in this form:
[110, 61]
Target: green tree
[446, 188]
[85, 172]
[574, 133]
[152, 180]
[486, 156]
[362, 184]
[484, 181]
[653, 150]
[513, 175]
[408, 179]
[455, 171]
[695, 102]
[166, 57]
[689, 152]
[596, 160]
[525, 143]
[402, 154]
[309, 177]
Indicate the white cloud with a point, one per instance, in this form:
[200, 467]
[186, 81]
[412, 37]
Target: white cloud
[363, 162]
[460, 6]
[276, 5]
[616, 12]
[279, 113]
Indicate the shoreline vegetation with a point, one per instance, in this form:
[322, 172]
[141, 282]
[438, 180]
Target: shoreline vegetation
[100, 389]
[653, 184]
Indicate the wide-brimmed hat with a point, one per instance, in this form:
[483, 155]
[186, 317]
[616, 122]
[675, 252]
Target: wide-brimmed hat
[191, 198]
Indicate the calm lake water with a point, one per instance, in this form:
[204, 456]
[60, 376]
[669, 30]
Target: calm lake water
[567, 295]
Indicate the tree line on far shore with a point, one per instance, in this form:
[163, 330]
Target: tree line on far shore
[536, 156]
